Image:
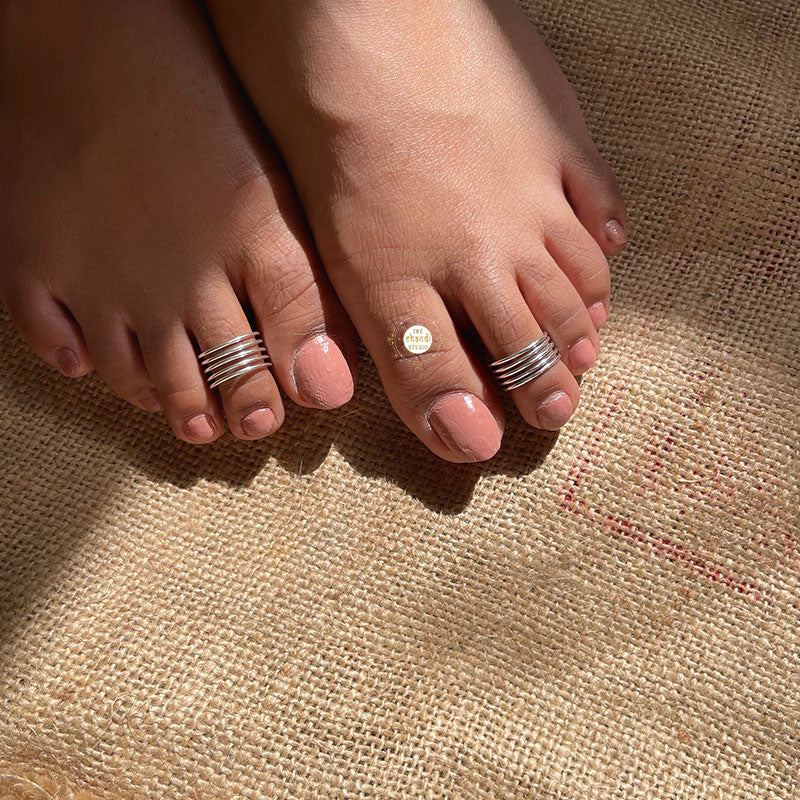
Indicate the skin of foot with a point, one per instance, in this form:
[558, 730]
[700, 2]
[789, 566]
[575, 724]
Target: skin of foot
[147, 219]
[449, 180]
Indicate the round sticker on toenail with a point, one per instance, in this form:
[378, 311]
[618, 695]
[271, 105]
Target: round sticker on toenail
[418, 339]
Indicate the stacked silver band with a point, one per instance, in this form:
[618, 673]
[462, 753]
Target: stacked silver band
[523, 366]
[235, 357]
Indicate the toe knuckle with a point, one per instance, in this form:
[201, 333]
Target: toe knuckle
[212, 326]
[602, 167]
[546, 282]
[480, 270]
[593, 165]
[567, 315]
[268, 253]
[388, 300]
[153, 330]
[517, 323]
[293, 295]
[596, 165]
[592, 272]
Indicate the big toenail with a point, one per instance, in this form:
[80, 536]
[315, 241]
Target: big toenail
[258, 422]
[554, 410]
[200, 427]
[321, 373]
[598, 314]
[615, 233]
[466, 426]
[68, 362]
[149, 400]
[582, 355]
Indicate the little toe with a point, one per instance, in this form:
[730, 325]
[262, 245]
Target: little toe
[593, 192]
[193, 411]
[252, 403]
[503, 318]
[49, 328]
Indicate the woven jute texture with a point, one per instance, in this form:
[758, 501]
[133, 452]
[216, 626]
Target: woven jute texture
[612, 612]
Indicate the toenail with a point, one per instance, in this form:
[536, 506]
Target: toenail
[466, 426]
[554, 410]
[582, 355]
[321, 374]
[68, 362]
[598, 314]
[258, 422]
[149, 400]
[615, 233]
[200, 427]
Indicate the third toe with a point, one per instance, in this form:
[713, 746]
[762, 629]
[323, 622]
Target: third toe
[238, 365]
[506, 323]
[192, 410]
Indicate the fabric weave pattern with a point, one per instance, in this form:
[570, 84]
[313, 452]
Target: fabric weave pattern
[612, 612]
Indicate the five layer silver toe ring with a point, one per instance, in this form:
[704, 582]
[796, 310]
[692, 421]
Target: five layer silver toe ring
[237, 356]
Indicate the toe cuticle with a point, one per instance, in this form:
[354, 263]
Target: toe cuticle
[555, 410]
[68, 361]
[258, 422]
[321, 373]
[201, 427]
[615, 232]
[466, 426]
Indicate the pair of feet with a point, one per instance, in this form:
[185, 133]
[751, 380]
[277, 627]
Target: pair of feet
[429, 164]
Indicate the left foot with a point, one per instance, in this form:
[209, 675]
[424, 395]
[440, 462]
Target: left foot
[146, 220]
[447, 173]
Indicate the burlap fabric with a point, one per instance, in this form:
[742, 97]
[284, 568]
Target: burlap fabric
[608, 613]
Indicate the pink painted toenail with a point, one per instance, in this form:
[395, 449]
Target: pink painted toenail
[149, 400]
[598, 314]
[554, 410]
[68, 362]
[615, 233]
[466, 426]
[582, 355]
[321, 373]
[258, 422]
[200, 427]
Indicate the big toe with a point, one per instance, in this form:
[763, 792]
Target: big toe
[426, 372]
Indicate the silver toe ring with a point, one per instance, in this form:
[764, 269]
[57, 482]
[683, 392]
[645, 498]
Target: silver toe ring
[523, 366]
[235, 357]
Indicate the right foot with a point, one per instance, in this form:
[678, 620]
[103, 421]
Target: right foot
[146, 224]
[447, 174]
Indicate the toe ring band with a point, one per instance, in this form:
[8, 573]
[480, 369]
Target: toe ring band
[526, 364]
[237, 356]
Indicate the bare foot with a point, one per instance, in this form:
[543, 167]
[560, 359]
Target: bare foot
[447, 174]
[146, 223]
